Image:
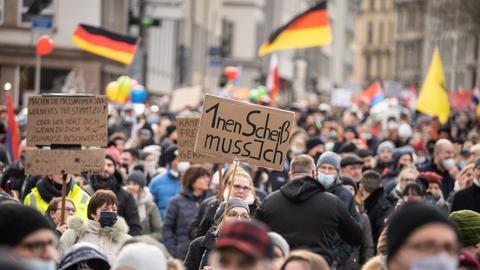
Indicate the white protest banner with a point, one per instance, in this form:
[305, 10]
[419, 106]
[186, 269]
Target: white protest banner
[58, 161]
[247, 132]
[185, 97]
[67, 120]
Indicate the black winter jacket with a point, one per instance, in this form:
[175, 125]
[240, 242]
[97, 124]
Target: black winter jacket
[308, 217]
[378, 208]
[197, 256]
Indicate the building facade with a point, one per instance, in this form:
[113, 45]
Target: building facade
[375, 41]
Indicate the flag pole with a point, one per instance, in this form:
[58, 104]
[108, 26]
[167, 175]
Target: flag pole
[38, 63]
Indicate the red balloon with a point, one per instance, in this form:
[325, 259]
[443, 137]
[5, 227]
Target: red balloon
[44, 45]
[231, 73]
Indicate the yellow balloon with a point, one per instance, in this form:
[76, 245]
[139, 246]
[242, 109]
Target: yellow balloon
[112, 91]
[124, 86]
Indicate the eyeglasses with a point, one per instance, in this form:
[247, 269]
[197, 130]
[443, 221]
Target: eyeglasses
[236, 215]
[68, 209]
[430, 247]
[37, 247]
[238, 187]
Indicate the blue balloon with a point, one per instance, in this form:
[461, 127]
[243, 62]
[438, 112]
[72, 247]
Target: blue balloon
[138, 94]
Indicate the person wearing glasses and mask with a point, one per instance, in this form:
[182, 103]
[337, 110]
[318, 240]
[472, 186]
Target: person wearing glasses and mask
[104, 228]
[54, 214]
[199, 249]
[29, 236]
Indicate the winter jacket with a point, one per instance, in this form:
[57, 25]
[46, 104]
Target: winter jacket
[342, 249]
[439, 203]
[45, 191]
[394, 196]
[448, 182]
[127, 207]
[362, 254]
[180, 212]
[308, 217]
[149, 215]
[378, 208]
[163, 187]
[108, 239]
[197, 256]
[468, 199]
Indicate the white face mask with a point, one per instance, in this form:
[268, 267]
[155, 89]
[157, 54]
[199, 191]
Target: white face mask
[297, 150]
[36, 264]
[183, 166]
[325, 179]
[448, 163]
[150, 166]
[440, 261]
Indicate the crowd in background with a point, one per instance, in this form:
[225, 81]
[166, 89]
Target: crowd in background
[359, 190]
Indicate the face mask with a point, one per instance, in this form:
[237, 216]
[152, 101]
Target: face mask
[183, 166]
[325, 180]
[36, 264]
[421, 160]
[149, 166]
[438, 262]
[297, 150]
[367, 136]
[392, 125]
[448, 163]
[107, 219]
[329, 146]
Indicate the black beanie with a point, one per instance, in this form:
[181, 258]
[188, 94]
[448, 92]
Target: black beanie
[407, 219]
[18, 221]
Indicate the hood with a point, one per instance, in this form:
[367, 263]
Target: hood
[145, 197]
[81, 228]
[399, 152]
[302, 189]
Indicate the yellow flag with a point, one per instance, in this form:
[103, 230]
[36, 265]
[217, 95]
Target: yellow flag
[433, 97]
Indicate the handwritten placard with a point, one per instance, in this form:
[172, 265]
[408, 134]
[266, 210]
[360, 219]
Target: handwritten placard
[187, 128]
[54, 161]
[252, 133]
[68, 120]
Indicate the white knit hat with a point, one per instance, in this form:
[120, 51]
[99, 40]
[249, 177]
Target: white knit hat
[140, 256]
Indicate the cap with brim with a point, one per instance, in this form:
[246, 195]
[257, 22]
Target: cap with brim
[351, 160]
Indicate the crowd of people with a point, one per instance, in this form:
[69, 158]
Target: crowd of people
[396, 190]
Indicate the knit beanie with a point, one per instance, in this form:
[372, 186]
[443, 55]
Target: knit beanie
[280, 242]
[385, 145]
[330, 158]
[468, 224]
[410, 217]
[137, 177]
[18, 221]
[312, 142]
[140, 256]
[233, 202]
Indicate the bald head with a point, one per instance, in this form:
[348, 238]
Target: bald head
[301, 166]
[443, 150]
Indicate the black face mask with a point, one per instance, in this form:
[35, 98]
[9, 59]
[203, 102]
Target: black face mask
[108, 219]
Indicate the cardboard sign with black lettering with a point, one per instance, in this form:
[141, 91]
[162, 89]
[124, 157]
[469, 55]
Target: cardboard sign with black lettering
[67, 120]
[187, 128]
[247, 132]
[54, 161]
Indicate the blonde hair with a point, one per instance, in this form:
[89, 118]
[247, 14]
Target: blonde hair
[240, 172]
[409, 169]
[313, 260]
[467, 168]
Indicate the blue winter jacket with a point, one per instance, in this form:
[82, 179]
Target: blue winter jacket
[163, 188]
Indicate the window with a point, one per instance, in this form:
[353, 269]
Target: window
[372, 4]
[368, 67]
[380, 33]
[369, 32]
[31, 8]
[2, 4]
[227, 38]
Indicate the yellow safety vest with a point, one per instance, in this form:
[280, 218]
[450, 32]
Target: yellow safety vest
[77, 195]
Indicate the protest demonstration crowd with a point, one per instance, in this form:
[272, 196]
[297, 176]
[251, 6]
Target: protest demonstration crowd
[116, 180]
[354, 191]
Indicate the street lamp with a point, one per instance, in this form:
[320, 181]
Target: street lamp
[7, 86]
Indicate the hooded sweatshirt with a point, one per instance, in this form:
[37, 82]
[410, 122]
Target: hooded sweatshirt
[308, 217]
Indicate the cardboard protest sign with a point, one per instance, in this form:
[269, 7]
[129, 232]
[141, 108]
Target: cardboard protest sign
[53, 161]
[187, 128]
[67, 120]
[185, 97]
[252, 133]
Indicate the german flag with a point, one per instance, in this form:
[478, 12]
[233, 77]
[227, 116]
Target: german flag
[105, 43]
[308, 29]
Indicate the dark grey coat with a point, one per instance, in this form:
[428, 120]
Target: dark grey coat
[180, 212]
